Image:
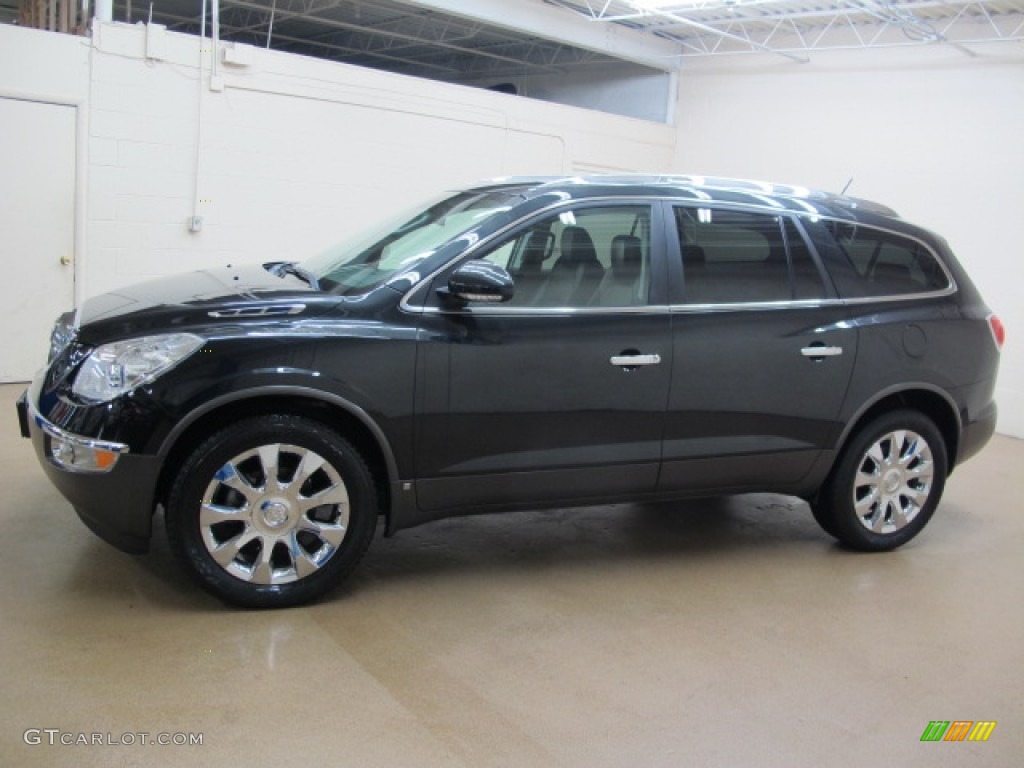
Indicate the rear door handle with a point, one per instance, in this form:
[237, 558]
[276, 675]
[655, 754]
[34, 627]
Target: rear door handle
[820, 350]
[634, 361]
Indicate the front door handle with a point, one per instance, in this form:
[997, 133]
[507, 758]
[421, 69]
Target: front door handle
[820, 350]
[634, 361]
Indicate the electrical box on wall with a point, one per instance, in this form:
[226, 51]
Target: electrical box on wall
[156, 42]
[237, 54]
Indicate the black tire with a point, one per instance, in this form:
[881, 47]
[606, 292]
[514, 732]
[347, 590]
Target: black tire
[886, 484]
[276, 547]
[823, 517]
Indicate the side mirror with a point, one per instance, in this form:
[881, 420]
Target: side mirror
[480, 280]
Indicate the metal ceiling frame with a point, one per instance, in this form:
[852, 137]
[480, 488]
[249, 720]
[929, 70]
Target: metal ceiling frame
[496, 39]
[421, 41]
[793, 29]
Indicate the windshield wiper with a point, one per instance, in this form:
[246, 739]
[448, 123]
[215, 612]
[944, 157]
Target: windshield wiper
[291, 268]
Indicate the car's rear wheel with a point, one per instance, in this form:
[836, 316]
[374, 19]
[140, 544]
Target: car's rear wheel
[886, 484]
[272, 511]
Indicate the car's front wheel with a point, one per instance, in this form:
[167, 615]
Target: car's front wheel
[886, 484]
[272, 511]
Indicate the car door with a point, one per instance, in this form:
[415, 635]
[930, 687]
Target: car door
[762, 353]
[558, 394]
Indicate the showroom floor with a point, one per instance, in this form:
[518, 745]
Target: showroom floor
[713, 633]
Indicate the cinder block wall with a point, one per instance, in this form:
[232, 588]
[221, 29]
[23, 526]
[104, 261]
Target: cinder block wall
[296, 153]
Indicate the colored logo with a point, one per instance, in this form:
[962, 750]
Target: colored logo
[958, 730]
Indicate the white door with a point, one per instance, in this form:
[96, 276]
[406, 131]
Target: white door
[37, 229]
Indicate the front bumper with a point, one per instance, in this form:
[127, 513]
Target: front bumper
[117, 504]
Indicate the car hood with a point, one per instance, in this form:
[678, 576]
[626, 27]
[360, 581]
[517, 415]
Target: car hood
[244, 294]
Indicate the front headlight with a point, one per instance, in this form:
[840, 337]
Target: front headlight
[119, 367]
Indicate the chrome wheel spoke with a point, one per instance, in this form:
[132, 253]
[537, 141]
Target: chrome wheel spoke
[330, 533]
[212, 514]
[915, 496]
[866, 478]
[302, 562]
[226, 553]
[881, 518]
[310, 463]
[269, 456]
[304, 566]
[263, 570]
[229, 475]
[922, 472]
[875, 453]
[865, 505]
[900, 516]
[911, 453]
[336, 494]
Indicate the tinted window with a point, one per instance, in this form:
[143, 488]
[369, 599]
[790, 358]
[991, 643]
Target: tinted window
[587, 257]
[885, 264]
[370, 258]
[732, 257]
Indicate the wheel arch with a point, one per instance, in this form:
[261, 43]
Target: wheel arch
[346, 418]
[932, 401]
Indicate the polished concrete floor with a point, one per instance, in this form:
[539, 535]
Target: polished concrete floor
[714, 633]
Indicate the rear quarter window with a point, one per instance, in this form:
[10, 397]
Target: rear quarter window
[880, 263]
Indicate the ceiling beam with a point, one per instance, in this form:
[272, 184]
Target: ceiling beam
[545, 21]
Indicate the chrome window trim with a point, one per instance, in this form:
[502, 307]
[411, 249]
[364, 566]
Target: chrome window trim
[646, 309]
[673, 200]
[808, 303]
[751, 306]
[949, 291]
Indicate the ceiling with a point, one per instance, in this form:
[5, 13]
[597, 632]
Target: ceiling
[504, 39]
[795, 28]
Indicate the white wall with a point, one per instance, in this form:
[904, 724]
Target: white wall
[23, 54]
[936, 134]
[296, 152]
[52, 69]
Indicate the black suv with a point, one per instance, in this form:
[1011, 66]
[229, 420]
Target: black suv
[525, 343]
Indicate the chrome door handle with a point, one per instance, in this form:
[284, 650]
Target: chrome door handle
[821, 351]
[634, 361]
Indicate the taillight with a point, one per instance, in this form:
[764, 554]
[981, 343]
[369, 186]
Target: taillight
[998, 331]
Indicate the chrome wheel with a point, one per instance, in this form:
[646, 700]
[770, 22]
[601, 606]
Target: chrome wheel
[274, 514]
[893, 481]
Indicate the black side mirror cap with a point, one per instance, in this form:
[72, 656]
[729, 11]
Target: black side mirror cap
[480, 281]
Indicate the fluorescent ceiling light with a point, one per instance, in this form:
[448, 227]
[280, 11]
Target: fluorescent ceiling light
[660, 5]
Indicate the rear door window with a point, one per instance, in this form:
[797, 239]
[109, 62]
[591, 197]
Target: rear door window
[738, 257]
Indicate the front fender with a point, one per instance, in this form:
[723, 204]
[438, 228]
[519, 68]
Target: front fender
[278, 389]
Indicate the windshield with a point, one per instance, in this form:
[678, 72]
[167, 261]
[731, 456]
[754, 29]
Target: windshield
[369, 258]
